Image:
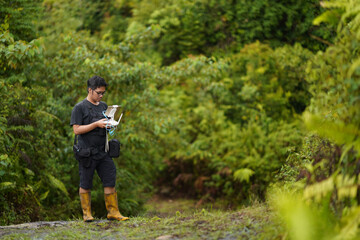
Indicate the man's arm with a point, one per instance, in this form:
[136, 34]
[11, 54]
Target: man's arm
[81, 129]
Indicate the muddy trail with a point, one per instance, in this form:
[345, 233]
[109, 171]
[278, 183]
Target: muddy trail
[165, 219]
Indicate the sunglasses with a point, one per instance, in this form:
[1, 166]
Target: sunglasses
[100, 93]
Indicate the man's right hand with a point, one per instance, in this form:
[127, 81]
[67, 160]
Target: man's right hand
[102, 123]
[81, 129]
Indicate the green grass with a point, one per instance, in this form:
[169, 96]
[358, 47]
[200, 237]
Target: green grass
[168, 220]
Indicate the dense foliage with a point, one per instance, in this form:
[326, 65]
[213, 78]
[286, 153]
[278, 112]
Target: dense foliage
[207, 27]
[240, 125]
[221, 99]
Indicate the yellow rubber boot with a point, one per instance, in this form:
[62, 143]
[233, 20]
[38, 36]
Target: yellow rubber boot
[85, 199]
[112, 208]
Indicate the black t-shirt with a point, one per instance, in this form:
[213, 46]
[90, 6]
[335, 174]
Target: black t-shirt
[85, 113]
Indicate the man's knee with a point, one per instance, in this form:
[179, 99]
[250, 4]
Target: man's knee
[109, 190]
[83, 190]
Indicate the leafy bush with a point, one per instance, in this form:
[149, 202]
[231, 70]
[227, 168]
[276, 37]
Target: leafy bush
[268, 81]
[28, 138]
[210, 156]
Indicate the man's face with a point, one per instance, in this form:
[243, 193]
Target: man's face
[97, 94]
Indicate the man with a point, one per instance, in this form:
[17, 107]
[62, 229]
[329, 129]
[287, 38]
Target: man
[89, 125]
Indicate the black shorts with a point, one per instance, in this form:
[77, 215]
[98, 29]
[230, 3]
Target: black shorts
[104, 167]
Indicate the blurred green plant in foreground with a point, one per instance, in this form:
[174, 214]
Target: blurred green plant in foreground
[326, 205]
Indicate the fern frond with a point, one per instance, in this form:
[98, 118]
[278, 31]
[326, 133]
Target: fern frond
[354, 66]
[57, 184]
[346, 186]
[319, 190]
[243, 174]
[7, 185]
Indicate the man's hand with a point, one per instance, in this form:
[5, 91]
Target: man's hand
[102, 123]
[81, 129]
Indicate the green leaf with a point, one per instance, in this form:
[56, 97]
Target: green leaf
[44, 195]
[29, 172]
[22, 48]
[31, 52]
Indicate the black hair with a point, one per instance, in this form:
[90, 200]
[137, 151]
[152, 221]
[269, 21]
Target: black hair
[95, 82]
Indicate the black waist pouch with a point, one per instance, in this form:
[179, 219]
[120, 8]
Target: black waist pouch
[114, 148]
[82, 154]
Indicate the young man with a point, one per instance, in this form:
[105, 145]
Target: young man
[89, 125]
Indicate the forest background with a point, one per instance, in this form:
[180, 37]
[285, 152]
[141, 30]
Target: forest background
[242, 101]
